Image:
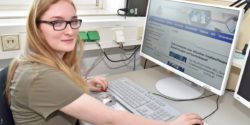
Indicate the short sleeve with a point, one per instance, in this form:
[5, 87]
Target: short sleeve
[50, 91]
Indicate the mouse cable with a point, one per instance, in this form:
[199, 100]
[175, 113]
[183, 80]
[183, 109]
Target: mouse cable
[121, 60]
[202, 97]
[230, 90]
[217, 102]
[216, 109]
[145, 63]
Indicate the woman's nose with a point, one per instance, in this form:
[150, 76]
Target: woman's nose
[68, 29]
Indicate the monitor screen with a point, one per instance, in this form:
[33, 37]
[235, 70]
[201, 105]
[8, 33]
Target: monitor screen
[242, 91]
[194, 40]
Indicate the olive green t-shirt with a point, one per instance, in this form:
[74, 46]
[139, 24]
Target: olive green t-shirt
[38, 92]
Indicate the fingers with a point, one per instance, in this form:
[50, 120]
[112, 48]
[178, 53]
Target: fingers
[102, 82]
[193, 118]
[98, 84]
[187, 119]
[95, 89]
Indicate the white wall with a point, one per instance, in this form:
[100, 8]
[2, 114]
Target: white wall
[104, 25]
[96, 63]
[114, 5]
[25, 4]
[101, 18]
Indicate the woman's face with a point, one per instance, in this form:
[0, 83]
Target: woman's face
[63, 40]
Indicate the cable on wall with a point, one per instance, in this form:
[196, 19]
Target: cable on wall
[111, 60]
[96, 62]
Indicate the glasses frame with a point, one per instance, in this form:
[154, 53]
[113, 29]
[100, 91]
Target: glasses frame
[52, 23]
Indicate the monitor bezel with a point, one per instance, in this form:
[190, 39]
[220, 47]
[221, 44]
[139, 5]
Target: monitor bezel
[220, 91]
[236, 95]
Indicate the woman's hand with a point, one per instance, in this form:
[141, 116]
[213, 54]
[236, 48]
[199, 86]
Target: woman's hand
[187, 119]
[97, 84]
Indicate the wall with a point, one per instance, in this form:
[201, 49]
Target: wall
[101, 18]
[105, 25]
[114, 5]
[94, 62]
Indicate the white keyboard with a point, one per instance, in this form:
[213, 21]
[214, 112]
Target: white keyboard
[140, 101]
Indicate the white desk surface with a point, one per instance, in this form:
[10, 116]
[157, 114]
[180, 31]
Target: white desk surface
[230, 111]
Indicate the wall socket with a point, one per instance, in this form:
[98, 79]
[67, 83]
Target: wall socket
[118, 35]
[10, 42]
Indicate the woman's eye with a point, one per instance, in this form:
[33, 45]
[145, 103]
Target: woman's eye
[58, 23]
[74, 22]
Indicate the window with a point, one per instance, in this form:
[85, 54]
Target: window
[19, 8]
[24, 4]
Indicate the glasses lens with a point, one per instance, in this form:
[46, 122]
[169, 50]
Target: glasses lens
[75, 24]
[59, 25]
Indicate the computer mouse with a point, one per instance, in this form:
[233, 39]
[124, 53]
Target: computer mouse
[107, 98]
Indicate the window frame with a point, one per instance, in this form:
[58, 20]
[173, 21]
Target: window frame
[19, 9]
[24, 4]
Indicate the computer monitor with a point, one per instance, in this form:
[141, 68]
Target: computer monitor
[195, 41]
[242, 91]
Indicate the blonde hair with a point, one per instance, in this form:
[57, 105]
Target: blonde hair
[37, 50]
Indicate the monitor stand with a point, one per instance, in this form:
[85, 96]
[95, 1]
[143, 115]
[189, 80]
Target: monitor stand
[178, 88]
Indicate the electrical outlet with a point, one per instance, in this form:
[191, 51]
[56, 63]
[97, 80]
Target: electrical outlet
[10, 42]
[118, 35]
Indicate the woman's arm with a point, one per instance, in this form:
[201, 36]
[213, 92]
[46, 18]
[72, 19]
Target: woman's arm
[91, 110]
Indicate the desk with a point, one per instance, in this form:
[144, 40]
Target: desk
[230, 111]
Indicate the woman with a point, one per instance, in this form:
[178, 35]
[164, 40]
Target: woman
[45, 86]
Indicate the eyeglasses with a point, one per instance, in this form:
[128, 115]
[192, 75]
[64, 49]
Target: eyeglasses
[59, 25]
